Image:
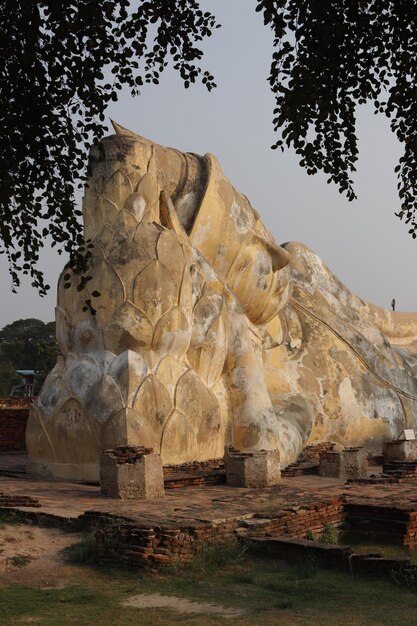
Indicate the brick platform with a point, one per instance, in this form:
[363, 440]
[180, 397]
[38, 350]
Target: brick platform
[196, 473]
[338, 556]
[387, 522]
[10, 500]
[392, 472]
[308, 461]
[400, 451]
[151, 531]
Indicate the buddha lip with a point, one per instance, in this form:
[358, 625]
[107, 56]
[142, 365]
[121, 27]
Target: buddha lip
[279, 290]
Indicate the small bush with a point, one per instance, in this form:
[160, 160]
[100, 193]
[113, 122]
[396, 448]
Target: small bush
[310, 536]
[12, 517]
[329, 534]
[211, 556]
[405, 578]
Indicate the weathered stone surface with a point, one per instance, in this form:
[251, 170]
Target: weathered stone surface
[252, 469]
[399, 451]
[207, 333]
[131, 473]
[350, 463]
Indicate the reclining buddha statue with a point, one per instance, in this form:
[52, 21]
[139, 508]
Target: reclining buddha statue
[207, 333]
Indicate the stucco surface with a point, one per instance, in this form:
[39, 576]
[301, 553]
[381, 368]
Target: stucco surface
[207, 332]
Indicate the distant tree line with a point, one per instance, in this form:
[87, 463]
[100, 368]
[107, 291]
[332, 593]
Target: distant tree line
[27, 344]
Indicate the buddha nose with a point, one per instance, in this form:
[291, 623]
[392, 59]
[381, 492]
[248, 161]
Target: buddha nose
[279, 257]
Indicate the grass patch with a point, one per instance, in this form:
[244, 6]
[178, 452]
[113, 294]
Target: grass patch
[8, 518]
[243, 578]
[210, 557]
[271, 503]
[362, 545]
[82, 552]
[20, 560]
[213, 556]
[269, 591]
[329, 534]
[310, 536]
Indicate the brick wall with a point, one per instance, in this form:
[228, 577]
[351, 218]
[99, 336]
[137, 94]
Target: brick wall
[120, 542]
[339, 556]
[123, 542]
[16, 403]
[12, 429]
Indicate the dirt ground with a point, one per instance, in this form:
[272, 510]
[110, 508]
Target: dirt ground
[39, 586]
[30, 555]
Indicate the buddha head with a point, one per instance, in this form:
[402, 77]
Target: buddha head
[260, 278]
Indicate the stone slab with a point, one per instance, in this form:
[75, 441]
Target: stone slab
[400, 450]
[252, 469]
[350, 463]
[140, 478]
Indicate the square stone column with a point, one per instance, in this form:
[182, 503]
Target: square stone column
[252, 469]
[396, 450]
[131, 472]
[344, 464]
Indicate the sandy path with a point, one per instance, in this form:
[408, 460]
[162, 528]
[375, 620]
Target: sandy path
[182, 605]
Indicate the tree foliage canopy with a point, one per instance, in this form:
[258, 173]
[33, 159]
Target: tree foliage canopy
[30, 330]
[62, 63]
[331, 56]
[26, 344]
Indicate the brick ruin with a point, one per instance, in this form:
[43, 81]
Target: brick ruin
[124, 542]
[14, 414]
[282, 533]
[308, 461]
[194, 474]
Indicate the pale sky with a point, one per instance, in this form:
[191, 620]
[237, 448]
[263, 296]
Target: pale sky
[362, 242]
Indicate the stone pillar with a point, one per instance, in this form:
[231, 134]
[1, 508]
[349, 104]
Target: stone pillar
[404, 451]
[252, 469]
[131, 472]
[344, 464]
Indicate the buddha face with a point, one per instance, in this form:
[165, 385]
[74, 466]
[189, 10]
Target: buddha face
[261, 280]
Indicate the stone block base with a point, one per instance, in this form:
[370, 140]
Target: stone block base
[399, 451]
[131, 472]
[344, 464]
[252, 469]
